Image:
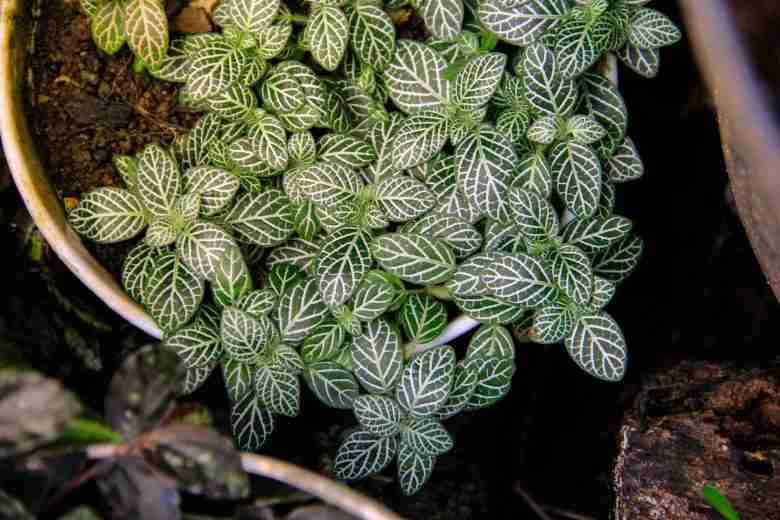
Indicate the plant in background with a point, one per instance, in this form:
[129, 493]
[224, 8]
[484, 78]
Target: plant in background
[142, 24]
[491, 190]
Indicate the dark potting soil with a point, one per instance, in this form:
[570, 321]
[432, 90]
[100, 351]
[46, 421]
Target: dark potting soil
[699, 292]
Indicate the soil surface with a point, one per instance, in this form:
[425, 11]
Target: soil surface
[698, 294]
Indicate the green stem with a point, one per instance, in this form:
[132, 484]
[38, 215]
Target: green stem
[300, 19]
[440, 292]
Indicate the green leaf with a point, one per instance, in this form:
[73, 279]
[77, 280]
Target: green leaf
[214, 68]
[244, 153]
[258, 303]
[297, 251]
[173, 293]
[377, 357]
[495, 381]
[372, 35]
[501, 237]
[414, 469]
[595, 233]
[146, 27]
[520, 279]
[585, 129]
[159, 181]
[374, 296]
[466, 378]
[521, 23]
[491, 341]
[346, 151]
[252, 16]
[603, 291]
[89, 7]
[197, 345]
[270, 141]
[546, 91]
[286, 357]
[649, 29]
[216, 188]
[572, 272]
[619, 260]
[202, 245]
[552, 323]
[236, 102]
[378, 414]
[244, 336]
[108, 26]
[343, 260]
[232, 279]
[514, 124]
[301, 309]
[329, 184]
[403, 198]
[199, 140]
[575, 47]
[719, 502]
[281, 92]
[426, 381]
[544, 130]
[414, 258]
[194, 378]
[239, 379]
[333, 384]
[415, 77]
[362, 454]
[323, 343]
[421, 136]
[327, 32]
[464, 238]
[602, 100]
[251, 422]
[477, 82]
[307, 224]
[484, 160]
[625, 164]
[577, 173]
[644, 62]
[488, 309]
[443, 18]
[127, 167]
[534, 216]
[282, 277]
[533, 173]
[423, 318]
[265, 219]
[136, 269]
[597, 345]
[278, 389]
[109, 215]
[426, 436]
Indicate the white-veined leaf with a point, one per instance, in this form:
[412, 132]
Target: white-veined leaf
[619, 260]
[373, 297]
[421, 136]
[443, 18]
[302, 149]
[426, 436]
[333, 384]
[239, 379]
[244, 336]
[214, 68]
[372, 35]
[533, 173]
[595, 233]
[575, 47]
[362, 454]
[307, 224]
[173, 292]
[414, 469]
[464, 238]
[270, 141]
[415, 77]
[283, 276]
[501, 237]
[403, 198]
[136, 269]
[109, 215]
[494, 381]
[544, 130]
[546, 91]
[422, 317]
[491, 341]
[514, 124]
[414, 258]
[466, 374]
[286, 357]
[89, 7]
[552, 323]
[377, 357]
[146, 28]
[258, 303]
[477, 81]
[520, 279]
[326, 33]
[278, 389]
[297, 251]
[215, 186]
[252, 16]
[607, 200]
[201, 246]
[585, 129]
[281, 92]
[251, 422]
[346, 151]
[197, 345]
[378, 414]
[625, 164]
[301, 309]
[602, 99]
[194, 378]
[577, 173]
[195, 151]
[265, 219]
[597, 345]
[649, 29]
[603, 291]
[343, 260]
[644, 62]
[232, 279]
[426, 381]
[323, 343]
[534, 216]
[237, 102]
[467, 281]
[159, 181]
[329, 184]
[488, 309]
[108, 26]
[127, 167]
[521, 23]
[484, 161]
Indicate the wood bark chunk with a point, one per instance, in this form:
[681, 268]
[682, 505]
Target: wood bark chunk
[696, 424]
[192, 20]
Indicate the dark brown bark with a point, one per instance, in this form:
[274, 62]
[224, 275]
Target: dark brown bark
[696, 424]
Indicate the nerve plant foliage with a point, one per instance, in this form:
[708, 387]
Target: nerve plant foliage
[386, 183]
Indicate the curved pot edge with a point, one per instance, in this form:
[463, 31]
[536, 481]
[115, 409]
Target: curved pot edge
[34, 187]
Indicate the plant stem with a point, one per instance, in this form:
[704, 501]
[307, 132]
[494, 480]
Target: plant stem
[439, 292]
[300, 19]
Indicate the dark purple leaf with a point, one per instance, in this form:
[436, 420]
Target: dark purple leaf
[143, 390]
[135, 491]
[34, 410]
[201, 460]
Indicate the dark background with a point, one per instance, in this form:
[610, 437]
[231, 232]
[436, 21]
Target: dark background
[698, 293]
